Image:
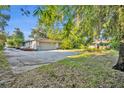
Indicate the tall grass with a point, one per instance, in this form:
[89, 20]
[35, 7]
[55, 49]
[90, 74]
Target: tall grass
[3, 61]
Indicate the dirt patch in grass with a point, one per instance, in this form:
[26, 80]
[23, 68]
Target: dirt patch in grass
[84, 70]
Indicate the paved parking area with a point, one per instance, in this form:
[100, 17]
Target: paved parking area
[22, 61]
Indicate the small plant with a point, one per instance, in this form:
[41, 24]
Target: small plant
[1, 46]
[66, 44]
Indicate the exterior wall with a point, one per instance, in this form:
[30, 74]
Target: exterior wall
[42, 45]
[27, 44]
[31, 44]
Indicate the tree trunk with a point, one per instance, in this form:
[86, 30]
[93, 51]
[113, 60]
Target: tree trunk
[120, 63]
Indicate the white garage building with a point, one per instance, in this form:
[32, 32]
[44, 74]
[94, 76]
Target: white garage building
[42, 44]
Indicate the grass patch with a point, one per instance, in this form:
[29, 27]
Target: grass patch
[88, 69]
[5, 72]
[3, 62]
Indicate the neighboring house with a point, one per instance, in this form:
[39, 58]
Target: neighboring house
[42, 44]
[103, 44]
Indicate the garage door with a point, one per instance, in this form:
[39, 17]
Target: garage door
[47, 46]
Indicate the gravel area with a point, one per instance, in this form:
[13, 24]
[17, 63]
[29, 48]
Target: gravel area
[22, 61]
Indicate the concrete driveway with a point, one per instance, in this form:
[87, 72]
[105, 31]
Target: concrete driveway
[22, 61]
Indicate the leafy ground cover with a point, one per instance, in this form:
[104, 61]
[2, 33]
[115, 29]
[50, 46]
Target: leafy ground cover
[88, 69]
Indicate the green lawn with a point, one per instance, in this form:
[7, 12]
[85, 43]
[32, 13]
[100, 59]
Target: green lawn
[89, 69]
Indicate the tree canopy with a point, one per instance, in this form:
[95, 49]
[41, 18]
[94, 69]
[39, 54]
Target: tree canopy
[4, 18]
[16, 39]
[81, 24]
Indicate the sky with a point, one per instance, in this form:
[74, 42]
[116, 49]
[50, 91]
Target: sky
[17, 20]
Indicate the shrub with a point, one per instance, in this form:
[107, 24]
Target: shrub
[66, 44]
[82, 46]
[1, 46]
[114, 44]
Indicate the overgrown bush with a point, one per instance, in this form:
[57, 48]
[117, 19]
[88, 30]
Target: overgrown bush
[1, 46]
[82, 46]
[66, 44]
[114, 44]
